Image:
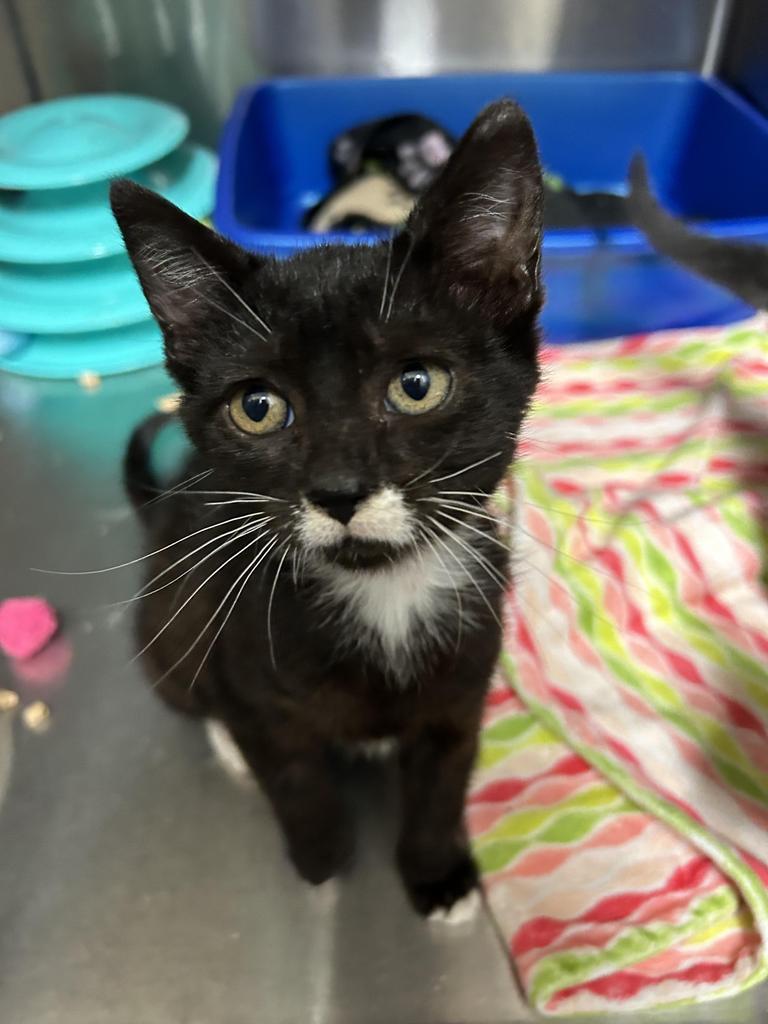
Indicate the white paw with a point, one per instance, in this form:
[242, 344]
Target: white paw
[226, 751]
[463, 911]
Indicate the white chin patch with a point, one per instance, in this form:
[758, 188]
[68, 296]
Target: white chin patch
[383, 517]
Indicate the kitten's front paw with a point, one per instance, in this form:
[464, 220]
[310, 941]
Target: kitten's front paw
[463, 912]
[431, 890]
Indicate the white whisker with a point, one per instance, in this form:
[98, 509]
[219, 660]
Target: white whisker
[141, 558]
[458, 561]
[490, 568]
[496, 200]
[468, 494]
[196, 591]
[466, 469]
[386, 274]
[468, 510]
[580, 561]
[399, 276]
[239, 297]
[581, 515]
[474, 529]
[462, 506]
[303, 560]
[245, 494]
[269, 606]
[177, 488]
[427, 533]
[294, 569]
[247, 573]
[232, 535]
[227, 312]
[240, 501]
[426, 471]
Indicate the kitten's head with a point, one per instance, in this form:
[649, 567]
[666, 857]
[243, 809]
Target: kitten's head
[356, 384]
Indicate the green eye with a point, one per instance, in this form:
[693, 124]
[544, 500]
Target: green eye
[257, 409]
[418, 388]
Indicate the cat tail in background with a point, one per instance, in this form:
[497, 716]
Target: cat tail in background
[141, 484]
[740, 267]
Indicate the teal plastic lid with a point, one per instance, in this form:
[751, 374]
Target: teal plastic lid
[71, 297]
[80, 139]
[66, 225]
[57, 356]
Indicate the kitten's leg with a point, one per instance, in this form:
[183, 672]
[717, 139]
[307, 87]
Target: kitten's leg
[293, 766]
[433, 851]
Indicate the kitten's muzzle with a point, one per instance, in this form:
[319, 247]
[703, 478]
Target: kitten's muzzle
[330, 519]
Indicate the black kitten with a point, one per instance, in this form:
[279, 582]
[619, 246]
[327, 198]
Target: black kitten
[741, 267]
[351, 410]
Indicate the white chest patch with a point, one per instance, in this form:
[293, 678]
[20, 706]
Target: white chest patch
[398, 612]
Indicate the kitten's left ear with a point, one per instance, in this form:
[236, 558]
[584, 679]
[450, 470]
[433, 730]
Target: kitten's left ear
[189, 274]
[481, 221]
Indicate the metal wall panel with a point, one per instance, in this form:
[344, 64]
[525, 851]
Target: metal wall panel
[394, 37]
[192, 52]
[14, 88]
[199, 52]
[745, 57]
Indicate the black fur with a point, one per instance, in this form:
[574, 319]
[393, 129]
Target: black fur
[741, 267]
[329, 329]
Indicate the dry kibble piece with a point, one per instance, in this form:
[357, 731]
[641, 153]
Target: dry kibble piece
[168, 403]
[37, 716]
[9, 700]
[89, 380]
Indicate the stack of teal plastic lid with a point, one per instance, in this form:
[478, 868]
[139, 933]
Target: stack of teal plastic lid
[69, 300]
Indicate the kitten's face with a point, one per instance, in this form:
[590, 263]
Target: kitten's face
[352, 420]
[355, 385]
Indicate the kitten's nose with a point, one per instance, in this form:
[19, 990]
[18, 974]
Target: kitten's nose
[340, 505]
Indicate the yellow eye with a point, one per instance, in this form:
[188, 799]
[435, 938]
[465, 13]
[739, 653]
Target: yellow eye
[256, 409]
[418, 388]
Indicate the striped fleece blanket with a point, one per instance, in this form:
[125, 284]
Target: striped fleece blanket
[619, 810]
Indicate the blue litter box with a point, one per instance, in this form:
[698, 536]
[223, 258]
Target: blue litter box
[707, 151]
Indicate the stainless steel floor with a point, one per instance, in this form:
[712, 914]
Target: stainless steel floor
[137, 883]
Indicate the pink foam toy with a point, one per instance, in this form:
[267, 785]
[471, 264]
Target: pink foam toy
[26, 625]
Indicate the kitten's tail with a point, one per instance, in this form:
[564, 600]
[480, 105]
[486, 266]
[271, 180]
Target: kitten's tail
[141, 484]
[740, 267]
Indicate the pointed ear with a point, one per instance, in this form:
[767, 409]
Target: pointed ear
[481, 221]
[187, 272]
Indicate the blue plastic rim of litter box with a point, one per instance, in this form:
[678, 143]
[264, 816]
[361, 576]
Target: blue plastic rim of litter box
[66, 225]
[81, 139]
[62, 357]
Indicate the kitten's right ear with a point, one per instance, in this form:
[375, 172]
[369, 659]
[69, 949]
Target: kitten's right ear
[480, 223]
[187, 272]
